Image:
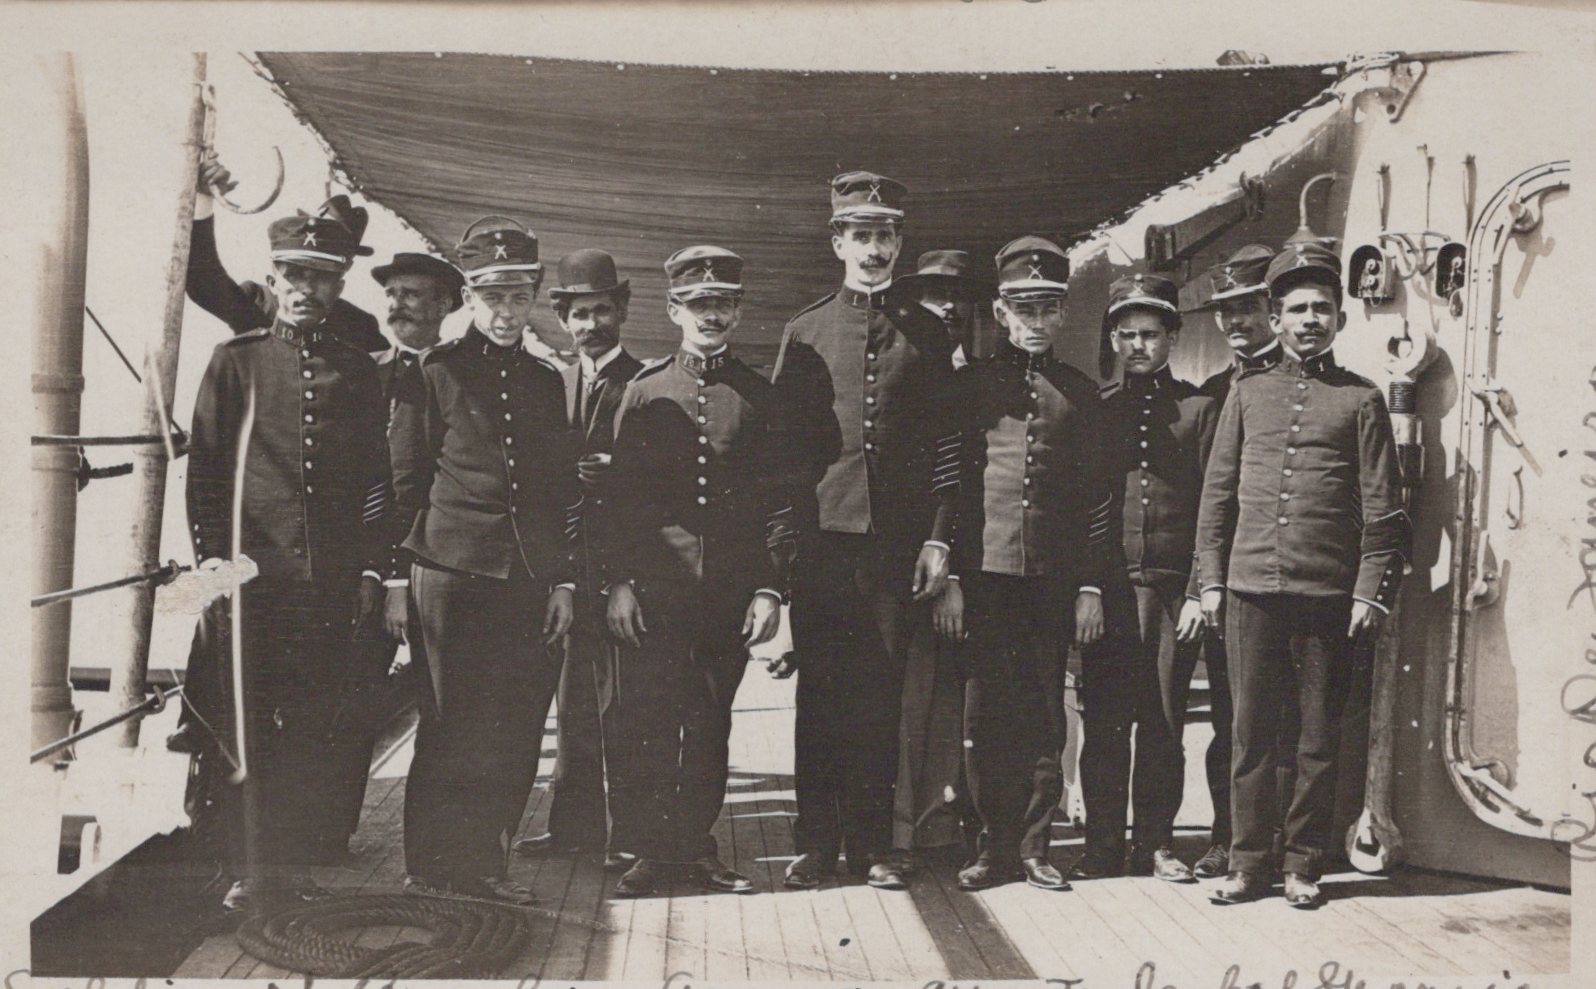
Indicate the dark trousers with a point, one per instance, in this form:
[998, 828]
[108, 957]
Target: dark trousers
[851, 615]
[1283, 647]
[578, 811]
[297, 641]
[671, 706]
[1120, 692]
[369, 699]
[1014, 725]
[1216, 761]
[483, 704]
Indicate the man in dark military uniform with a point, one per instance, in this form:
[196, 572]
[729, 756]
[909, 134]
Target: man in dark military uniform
[421, 291]
[1158, 433]
[591, 303]
[695, 489]
[868, 374]
[1026, 556]
[1239, 301]
[484, 476]
[251, 306]
[305, 412]
[933, 697]
[1303, 489]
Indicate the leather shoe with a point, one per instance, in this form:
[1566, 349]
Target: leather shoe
[1214, 863]
[1302, 892]
[901, 859]
[546, 844]
[643, 879]
[1042, 874]
[978, 875]
[713, 874]
[808, 871]
[885, 875]
[619, 861]
[1097, 865]
[1241, 887]
[1169, 868]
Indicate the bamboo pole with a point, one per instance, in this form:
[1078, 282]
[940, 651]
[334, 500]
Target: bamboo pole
[60, 171]
[129, 644]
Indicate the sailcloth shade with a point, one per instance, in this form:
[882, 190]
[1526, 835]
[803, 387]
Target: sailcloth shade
[641, 160]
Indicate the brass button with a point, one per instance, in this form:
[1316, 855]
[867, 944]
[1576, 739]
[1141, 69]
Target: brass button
[507, 417]
[309, 417]
[1147, 501]
[870, 400]
[1296, 428]
[309, 441]
[1144, 444]
[703, 481]
[1283, 520]
[305, 373]
[309, 489]
[509, 441]
[870, 424]
[1285, 496]
[703, 439]
[702, 500]
[703, 460]
[702, 400]
[871, 378]
[307, 465]
[703, 419]
[1291, 450]
[1297, 408]
[1287, 472]
[1025, 503]
[310, 394]
[1145, 482]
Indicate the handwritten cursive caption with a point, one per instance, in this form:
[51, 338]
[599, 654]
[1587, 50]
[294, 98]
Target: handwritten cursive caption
[1331, 975]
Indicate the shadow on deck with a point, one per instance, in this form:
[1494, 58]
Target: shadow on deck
[158, 918]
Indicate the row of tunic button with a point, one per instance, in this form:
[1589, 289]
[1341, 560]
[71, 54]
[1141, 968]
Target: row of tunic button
[703, 400]
[1291, 451]
[870, 400]
[310, 418]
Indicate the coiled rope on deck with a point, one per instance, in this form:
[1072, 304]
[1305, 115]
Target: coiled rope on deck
[469, 940]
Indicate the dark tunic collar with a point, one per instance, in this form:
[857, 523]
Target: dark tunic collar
[1265, 357]
[1020, 357]
[477, 340]
[1148, 384]
[876, 300]
[698, 365]
[295, 335]
[1312, 367]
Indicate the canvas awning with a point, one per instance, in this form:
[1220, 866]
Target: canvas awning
[643, 159]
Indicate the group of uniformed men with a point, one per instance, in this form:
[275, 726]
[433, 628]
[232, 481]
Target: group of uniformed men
[621, 534]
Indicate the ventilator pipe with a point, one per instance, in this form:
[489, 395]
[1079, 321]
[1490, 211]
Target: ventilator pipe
[128, 642]
[54, 256]
[1304, 232]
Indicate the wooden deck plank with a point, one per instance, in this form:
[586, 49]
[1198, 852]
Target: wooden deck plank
[1014, 910]
[646, 956]
[874, 933]
[845, 955]
[580, 910]
[686, 933]
[988, 937]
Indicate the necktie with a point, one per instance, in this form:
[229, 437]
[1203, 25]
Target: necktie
[588, 401]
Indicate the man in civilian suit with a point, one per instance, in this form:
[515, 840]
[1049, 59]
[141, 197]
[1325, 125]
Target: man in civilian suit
[868, 374]
[591, 303]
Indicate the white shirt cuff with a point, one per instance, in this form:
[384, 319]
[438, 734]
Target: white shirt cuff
[374, 575]
[773, 593]
[568, 585]
[1373, 604]
[944, 547]
[1213, 587]
[399, 582]
[1088, 589]
[204, 206]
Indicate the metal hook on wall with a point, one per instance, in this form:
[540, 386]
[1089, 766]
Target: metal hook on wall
[218, 192]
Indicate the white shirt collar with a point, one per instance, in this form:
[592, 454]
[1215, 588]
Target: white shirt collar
[591, 367]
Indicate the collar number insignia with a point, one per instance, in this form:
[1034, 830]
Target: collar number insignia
[500, 251]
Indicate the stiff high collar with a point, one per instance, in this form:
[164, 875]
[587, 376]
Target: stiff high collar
[1020, 357]
[1308, 367]
[1264, 357]
[698, 365]
[876, 298]
[295, 335]
[1148, 384]
[478, 340]
[591, 366]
